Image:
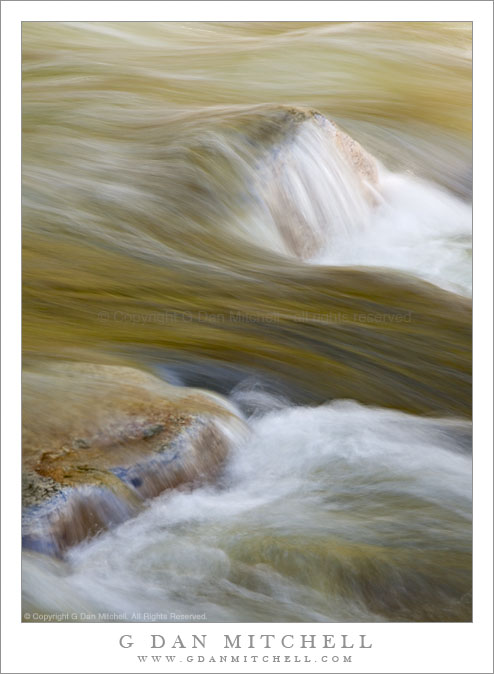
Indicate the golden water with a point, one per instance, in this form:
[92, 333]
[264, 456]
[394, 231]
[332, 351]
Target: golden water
[149, 239]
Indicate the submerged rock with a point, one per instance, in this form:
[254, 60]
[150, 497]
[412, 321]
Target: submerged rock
[98, 441]
[318, 182]
[208, 272]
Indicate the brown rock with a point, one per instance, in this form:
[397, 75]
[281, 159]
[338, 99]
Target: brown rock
[100, 440]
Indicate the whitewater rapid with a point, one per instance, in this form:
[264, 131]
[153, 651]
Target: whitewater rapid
[311, 505]
[194, 207]
[338, 512]
[417, 228]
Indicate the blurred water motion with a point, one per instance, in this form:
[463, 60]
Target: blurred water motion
[280, 213]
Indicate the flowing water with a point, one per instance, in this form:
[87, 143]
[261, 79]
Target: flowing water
[185, 211]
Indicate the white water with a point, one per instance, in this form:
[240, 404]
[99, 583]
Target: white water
[287, 534]
[403, 223]
[305, 193]
[417, 228]
[339, 512]
[323, 509]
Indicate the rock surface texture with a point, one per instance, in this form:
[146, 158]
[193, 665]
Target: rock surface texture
[98, 441]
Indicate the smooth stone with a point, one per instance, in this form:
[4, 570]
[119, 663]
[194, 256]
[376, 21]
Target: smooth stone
[315, 169]
[99, 440]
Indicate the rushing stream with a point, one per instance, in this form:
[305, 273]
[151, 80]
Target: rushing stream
[192, 206]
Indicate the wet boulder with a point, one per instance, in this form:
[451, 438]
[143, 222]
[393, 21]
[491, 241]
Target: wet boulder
[99, 441]
[317, 182]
